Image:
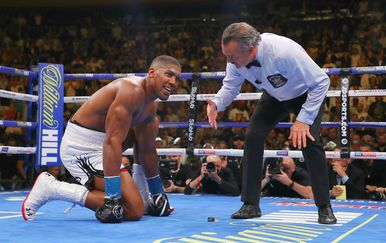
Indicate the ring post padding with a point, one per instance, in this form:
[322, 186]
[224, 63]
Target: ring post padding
[344, 130]
[192, 114]
[31, 109]
[50, 114]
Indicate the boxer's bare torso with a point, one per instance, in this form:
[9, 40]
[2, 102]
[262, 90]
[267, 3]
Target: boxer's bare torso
[93, 113]
[125, 110]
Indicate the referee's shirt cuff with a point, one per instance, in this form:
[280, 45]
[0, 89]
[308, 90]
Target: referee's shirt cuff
[218, 104]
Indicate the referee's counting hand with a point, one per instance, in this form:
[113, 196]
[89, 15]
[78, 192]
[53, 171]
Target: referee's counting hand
[211, 111]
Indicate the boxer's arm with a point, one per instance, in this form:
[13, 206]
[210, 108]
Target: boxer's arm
[144, 150]
[118, 122]
[145, 153]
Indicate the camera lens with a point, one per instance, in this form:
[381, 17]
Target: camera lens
[166, 183]
[274, 166]
[210, 167]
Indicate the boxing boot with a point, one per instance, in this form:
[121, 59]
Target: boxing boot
[46, 188]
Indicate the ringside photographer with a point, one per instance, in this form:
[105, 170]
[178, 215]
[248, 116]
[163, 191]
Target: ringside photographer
[213, 179]
[174, 173]
[284, 179]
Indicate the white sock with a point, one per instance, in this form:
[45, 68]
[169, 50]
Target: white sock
[69, 192]
[140, 179]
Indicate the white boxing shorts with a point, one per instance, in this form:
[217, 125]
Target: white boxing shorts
[81, 152]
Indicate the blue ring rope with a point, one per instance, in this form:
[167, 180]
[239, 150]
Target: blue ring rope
[218, 75]
[10, 123]
[208, 75]
[18, 72]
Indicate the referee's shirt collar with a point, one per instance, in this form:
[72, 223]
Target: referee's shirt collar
[259, 56]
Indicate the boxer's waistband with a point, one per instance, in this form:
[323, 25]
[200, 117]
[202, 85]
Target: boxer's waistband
[80, 133]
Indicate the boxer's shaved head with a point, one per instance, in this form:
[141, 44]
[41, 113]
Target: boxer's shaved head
[164, 60]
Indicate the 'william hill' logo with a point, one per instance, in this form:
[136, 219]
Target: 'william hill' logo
[52, 81]
[50, 112]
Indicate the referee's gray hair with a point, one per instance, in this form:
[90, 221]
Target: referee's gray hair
[243, 33]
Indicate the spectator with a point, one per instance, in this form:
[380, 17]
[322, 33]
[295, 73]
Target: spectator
[239, 112]
[182, 111]
[285, 179]
[381, 140]
[362, 114]
[342, 172]
[377, 109]
[10, 112]
[213, 179]
[159, 142]
[355, 141]
[121, 49]
[175, 173]
[12, 168]
[375, 170]
[170, 115]
[333, 135]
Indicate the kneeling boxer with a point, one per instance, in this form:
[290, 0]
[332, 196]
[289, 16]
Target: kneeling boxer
[121, 114]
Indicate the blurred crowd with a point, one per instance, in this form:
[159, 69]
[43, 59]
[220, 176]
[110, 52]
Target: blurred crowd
[117, 40]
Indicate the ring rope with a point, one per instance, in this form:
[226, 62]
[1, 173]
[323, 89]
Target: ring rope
[10, 123]
[211, 75]
[18, 72]
[17, 150]
[18, 96]
[219, 152]
[242, 96]
[279, 125]
[221, 74]
[186, 97]
[22, 124]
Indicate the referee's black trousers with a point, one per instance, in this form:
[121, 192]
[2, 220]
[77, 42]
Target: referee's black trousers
[269, 111]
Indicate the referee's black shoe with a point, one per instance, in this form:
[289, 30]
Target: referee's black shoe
[247, 211]
[326, 216]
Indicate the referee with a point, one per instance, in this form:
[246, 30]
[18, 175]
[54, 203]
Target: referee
[292, 83]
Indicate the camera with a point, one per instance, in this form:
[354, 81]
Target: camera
[210, 167]
[377, 196]
[168, 164]
[274, 166]
[166, 183]
[165, 174]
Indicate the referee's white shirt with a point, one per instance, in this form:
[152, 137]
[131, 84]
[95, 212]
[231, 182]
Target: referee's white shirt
[286, 72]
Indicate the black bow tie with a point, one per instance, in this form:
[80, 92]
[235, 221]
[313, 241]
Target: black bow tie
[254, 63]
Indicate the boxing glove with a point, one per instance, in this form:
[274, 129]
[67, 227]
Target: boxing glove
[159, 206]
[111, 211]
